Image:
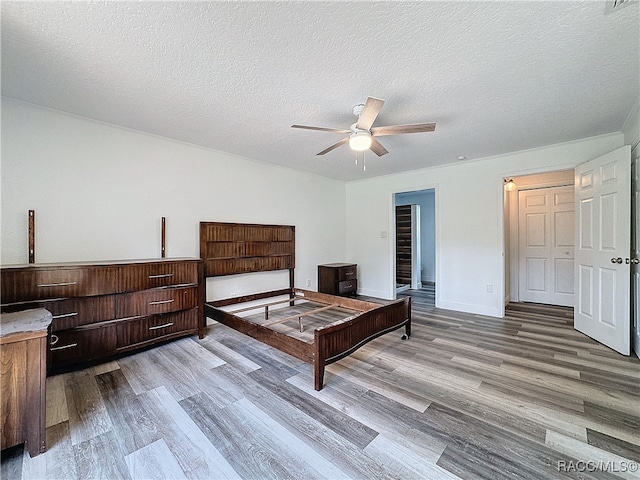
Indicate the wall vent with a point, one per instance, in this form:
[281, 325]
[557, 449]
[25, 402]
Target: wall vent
[615, 5]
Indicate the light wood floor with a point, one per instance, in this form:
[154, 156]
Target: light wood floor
[466, 397]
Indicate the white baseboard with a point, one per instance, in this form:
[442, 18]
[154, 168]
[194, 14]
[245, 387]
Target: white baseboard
[375, 293]
[466, 308]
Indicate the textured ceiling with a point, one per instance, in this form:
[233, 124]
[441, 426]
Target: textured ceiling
[497, 77]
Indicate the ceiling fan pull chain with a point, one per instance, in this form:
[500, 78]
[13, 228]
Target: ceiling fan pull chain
[364, 163]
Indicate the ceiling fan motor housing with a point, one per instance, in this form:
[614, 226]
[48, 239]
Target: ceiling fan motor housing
[357, 109]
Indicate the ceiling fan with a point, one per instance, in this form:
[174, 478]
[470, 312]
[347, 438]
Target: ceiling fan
[362, 135]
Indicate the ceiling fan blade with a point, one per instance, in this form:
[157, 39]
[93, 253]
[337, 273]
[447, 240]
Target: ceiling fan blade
[322, 129]
[398, 129]
[377, 148]
[369, 113]
[334, 146]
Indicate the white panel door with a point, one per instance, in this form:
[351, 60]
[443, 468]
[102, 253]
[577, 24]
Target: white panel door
[603, 236]
[546, 245]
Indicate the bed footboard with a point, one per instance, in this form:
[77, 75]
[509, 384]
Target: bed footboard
[338, 340]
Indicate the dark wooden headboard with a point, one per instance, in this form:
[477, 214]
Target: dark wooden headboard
[231, 248]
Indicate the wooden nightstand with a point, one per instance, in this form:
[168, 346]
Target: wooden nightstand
[338, 278]
[22, 378]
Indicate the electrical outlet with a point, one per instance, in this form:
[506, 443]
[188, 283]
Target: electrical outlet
[489, 288]
[308, 282]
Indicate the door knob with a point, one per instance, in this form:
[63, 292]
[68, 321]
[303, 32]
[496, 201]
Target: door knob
[635, 261]
[616, 260]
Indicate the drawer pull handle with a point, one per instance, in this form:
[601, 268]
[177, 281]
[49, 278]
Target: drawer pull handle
[54, 339]
[65, 315]
[162, 275]
[63, 284]
[161, 326]
[160, 302]
[71, 345]
[349, 274]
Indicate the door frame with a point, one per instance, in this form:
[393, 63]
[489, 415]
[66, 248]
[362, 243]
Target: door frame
[392, 234]
[635, 241]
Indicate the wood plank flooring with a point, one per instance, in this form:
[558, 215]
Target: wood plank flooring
[466, 396]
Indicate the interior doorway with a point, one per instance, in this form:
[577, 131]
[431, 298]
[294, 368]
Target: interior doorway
[416, 242]
[539, 233]
[604, 265]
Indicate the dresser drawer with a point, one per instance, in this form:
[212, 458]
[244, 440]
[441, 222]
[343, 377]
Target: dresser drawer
[71, 312]
[82, 343]
[143, 276]
[347, 273]
[156, 300]
[40, 283]
[142, 329]
[348, 286]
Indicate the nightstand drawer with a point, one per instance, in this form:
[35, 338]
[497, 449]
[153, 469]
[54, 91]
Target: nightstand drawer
[347, 273]
[348, 286]
[156, 300]
[161, 274]
[139, 330]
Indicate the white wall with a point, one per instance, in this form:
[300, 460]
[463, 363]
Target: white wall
[469, 222]
[99, 192]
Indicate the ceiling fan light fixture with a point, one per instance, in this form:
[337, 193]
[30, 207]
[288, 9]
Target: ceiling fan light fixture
[360, 141]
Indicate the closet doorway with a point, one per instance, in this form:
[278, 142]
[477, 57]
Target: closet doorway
[539, 237]
[415, 242]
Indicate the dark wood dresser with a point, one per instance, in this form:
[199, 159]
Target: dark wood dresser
[101, 309]
[23, 367]
[338, 278]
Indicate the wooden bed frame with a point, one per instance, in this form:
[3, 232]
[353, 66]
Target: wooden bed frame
[233, 248]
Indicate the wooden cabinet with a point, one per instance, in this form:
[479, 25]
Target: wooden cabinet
[102, 309]
[23, 365]
[338, 278]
